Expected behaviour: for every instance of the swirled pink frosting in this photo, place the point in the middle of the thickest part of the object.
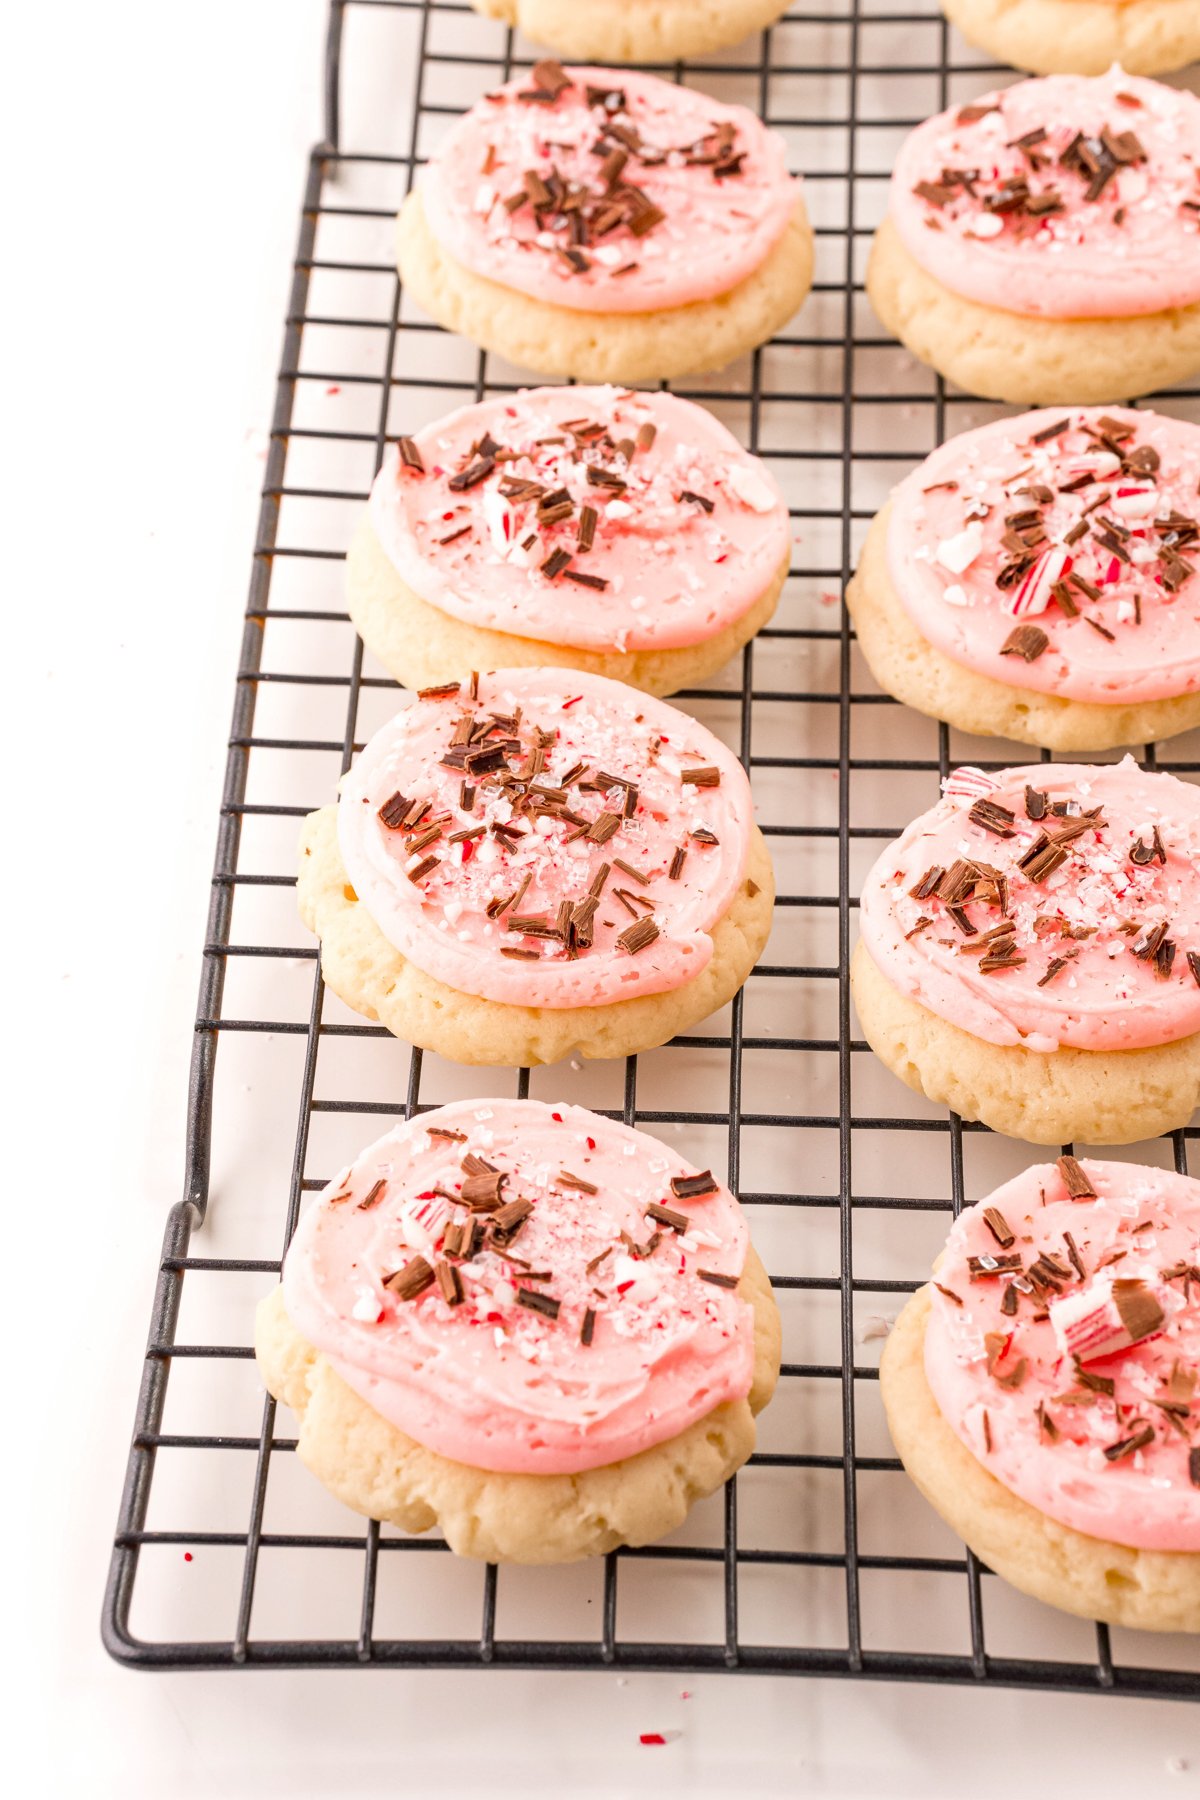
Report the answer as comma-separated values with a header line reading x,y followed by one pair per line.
x,y
487,1381
1098,953
715,194
1068,1437
689,528
1089,535
437,913
1057,245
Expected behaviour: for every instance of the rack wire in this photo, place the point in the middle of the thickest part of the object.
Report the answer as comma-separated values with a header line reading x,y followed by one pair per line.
x,y
819,1558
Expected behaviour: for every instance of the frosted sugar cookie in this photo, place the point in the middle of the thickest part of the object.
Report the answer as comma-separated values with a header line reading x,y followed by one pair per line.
x,y
634,30
1030,952
1036,579
540,1330
1041,1390
607,225
1043,243
521,867
1082,37
594,528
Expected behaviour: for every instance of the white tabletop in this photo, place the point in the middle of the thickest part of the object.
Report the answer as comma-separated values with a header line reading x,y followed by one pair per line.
x,y
155,170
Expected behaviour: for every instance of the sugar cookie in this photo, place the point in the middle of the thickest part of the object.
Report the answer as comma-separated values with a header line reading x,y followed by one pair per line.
x,y
624,533
1041,1390
530,1325
1043,243
1030,952
609,226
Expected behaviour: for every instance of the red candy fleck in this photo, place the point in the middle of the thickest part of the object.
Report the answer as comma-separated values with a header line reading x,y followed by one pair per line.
x,y
187,1556
652,1737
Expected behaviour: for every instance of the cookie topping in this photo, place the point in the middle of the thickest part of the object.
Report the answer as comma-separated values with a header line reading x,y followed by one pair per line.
x,y
1088,537
608,192
516,899
516,497
585,1343
1047,204
1044,930
1086,1378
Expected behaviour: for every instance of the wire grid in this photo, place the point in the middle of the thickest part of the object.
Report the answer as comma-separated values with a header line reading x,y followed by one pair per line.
x,y
819,1558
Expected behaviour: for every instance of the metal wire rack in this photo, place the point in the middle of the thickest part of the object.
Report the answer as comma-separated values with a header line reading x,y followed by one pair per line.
x,y
820,1558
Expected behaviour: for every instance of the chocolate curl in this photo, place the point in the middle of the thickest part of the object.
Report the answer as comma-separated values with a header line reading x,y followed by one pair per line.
x,y
1110,1315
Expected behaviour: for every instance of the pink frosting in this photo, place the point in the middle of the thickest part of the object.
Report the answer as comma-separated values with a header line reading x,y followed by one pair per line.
x,y
712,206
1081,962
1031,1419
486,1381
1131,479
596,729
1133,248
688,533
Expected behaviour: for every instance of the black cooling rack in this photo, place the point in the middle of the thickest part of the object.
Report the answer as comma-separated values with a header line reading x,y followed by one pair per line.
x,y
819,1558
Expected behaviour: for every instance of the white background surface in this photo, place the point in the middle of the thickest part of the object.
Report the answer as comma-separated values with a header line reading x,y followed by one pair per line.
x,y
154,169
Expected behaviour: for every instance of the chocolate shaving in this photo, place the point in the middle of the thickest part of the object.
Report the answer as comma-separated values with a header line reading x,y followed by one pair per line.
x,y
545,1304
555,563
702,777
1148,942
472,475
1140,1312
566,1179
1026,641
450,1282
666,1215
1075,1180
928,883
990,816
1126,1446
637,937
981,1268
588,520
481,1192
372,1197
1060,425
410,456
393,812
716,1279
588,1329
412,1280
1042,858
999,1227
603,826
550,80
692,1187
